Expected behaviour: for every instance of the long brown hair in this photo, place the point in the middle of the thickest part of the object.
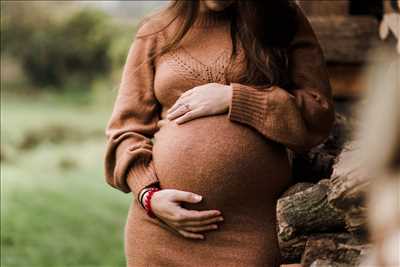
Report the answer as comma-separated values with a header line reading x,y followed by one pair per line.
x,y
263,28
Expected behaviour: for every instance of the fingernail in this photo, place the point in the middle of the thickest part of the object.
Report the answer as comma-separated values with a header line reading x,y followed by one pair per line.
x,y
221,219
198,197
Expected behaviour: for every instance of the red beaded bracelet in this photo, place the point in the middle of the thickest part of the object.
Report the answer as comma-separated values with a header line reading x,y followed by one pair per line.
x,y
147,202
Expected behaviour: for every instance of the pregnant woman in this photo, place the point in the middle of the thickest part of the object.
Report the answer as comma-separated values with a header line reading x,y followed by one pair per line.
x,y
214,95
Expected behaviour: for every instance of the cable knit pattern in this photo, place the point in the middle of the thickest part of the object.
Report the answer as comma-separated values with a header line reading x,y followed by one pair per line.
x,y
237,161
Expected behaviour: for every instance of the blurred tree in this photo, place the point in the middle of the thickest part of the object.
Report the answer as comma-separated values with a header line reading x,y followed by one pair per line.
x,y
74,49
58,51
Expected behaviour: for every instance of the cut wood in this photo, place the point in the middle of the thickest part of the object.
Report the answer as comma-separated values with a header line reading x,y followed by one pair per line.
x,y
337,249
306,212
349,185
325,8
346,39
292,250
296,188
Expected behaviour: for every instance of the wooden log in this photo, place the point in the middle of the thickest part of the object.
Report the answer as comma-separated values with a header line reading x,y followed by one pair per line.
x,y
307,212
325,7
328,263
296,188
334,249
348,80
293,249
346,39
349,186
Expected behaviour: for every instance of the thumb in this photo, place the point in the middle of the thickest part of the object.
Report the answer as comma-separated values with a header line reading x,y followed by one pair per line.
x,y
187,196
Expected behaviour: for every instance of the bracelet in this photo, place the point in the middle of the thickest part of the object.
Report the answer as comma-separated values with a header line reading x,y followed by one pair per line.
x,y
143,192
147,201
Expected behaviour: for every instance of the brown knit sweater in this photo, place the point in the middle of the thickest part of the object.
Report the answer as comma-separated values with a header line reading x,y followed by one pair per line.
x,y
299,119
237,161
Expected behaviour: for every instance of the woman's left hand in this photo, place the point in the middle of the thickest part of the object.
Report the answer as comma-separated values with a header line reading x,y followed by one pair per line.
x,y
200,101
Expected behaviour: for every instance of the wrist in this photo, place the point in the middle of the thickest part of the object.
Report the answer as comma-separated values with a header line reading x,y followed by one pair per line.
x,y
147,201
230,95
143,194
146,188
142,198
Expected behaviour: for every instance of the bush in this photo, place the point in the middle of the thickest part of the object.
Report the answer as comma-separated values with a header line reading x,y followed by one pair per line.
x,y
18,23
55,52
76,49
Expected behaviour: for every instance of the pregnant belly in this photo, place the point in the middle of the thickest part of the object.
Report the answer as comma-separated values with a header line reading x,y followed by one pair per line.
x,y
221,160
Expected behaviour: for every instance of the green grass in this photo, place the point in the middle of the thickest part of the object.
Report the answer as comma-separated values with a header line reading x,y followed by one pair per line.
x,y
56,208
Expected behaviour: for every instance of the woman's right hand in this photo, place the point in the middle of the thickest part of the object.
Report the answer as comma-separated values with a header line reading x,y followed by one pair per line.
x,y
165,205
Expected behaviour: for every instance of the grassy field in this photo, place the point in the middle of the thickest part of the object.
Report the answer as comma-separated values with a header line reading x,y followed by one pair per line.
x,y
56,208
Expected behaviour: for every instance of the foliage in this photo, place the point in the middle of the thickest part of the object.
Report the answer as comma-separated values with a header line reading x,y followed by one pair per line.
x,y
59,52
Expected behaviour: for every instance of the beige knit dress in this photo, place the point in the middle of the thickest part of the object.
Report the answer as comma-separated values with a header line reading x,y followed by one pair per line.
x,y
237,160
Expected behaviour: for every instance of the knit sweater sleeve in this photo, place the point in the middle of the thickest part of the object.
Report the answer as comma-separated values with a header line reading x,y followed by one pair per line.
x,y
301,117
129,164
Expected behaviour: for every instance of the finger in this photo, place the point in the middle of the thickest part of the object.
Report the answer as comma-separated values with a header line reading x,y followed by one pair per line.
x,y
160,123
196,229
178,112
181,100
203,222
180,195
185,98
176,105
191,235
187,117
196,215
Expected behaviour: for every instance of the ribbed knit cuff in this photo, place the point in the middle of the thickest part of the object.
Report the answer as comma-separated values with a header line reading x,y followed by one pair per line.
x,y
247,104
141,175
